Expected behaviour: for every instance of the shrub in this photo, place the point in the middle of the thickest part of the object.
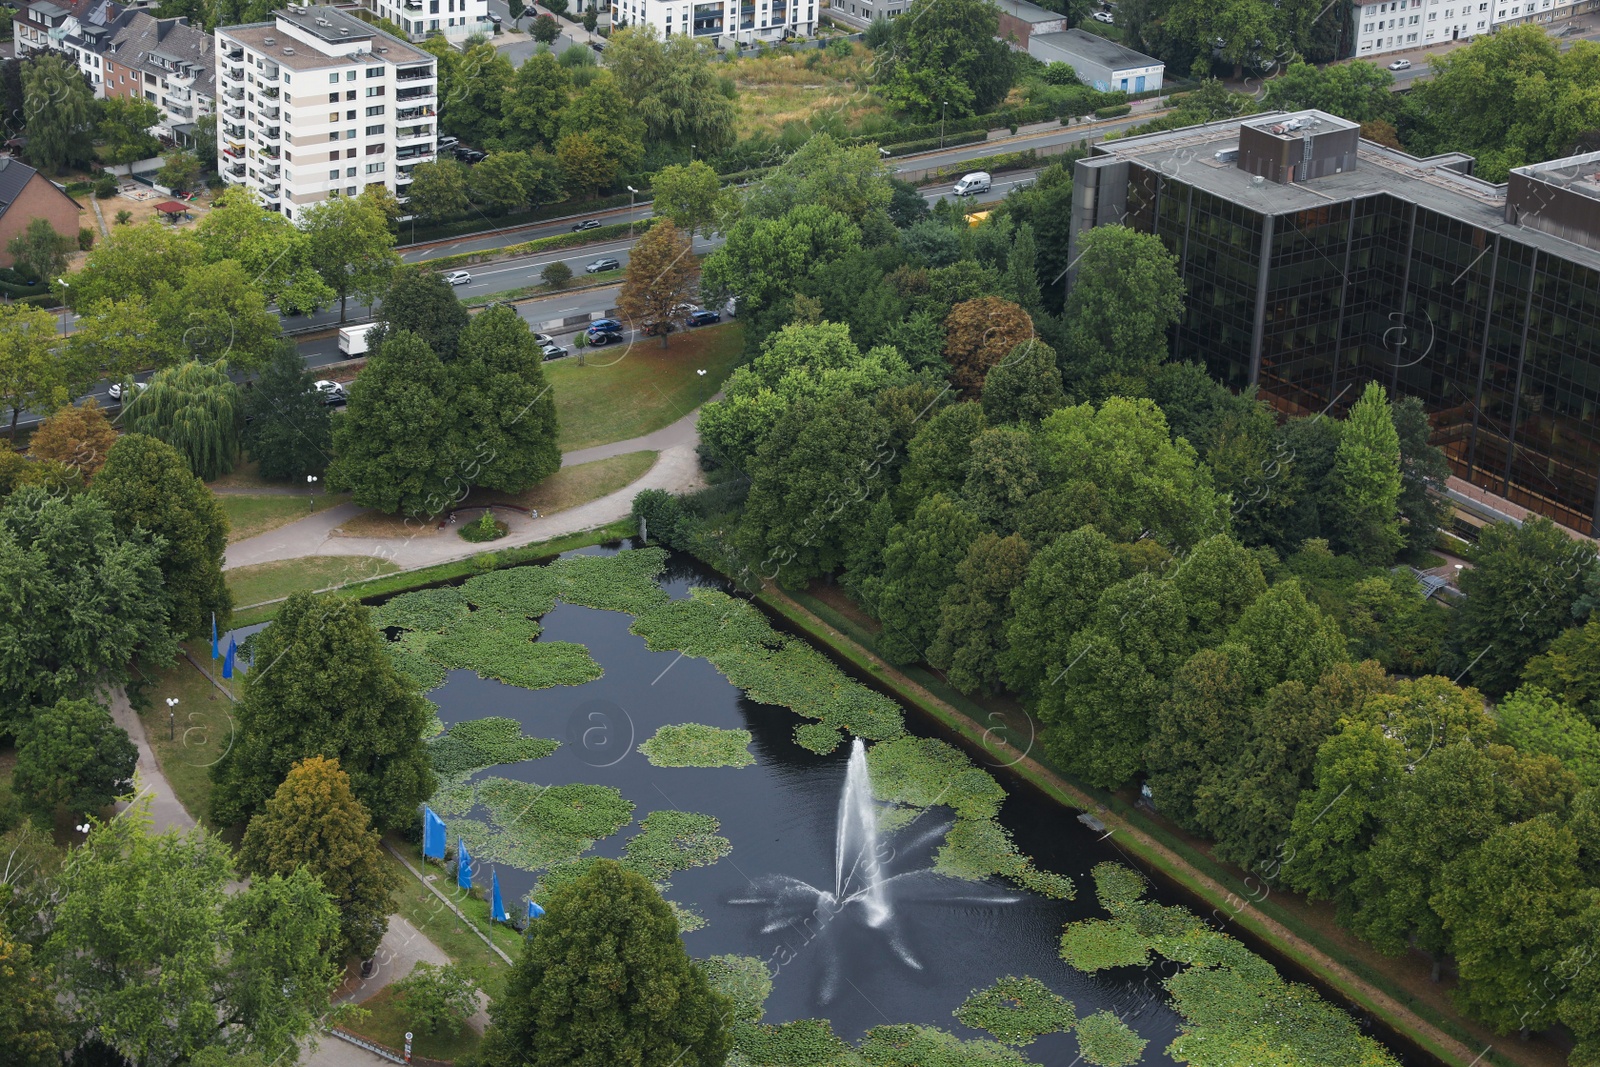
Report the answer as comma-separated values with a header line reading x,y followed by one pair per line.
x,y
878,34
556,275
85,239
124,217
105,187
437,996
485,529
1113,111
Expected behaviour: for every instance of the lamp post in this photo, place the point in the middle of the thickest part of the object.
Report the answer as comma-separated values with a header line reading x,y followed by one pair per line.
x,y
631,193
311,489
942,105
172,718
64,285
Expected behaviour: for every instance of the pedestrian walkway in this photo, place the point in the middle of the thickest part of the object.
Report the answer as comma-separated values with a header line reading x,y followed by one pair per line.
x,y
165,810
676,470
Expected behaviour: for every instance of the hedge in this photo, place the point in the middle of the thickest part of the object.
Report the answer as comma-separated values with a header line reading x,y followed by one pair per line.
x,y
541,244
45,300
1112,112
935,144
473,226
993,164
15,291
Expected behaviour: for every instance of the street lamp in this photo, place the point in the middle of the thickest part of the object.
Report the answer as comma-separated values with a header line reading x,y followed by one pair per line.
x,y
942,105
172,718
311,484
65,285
631,192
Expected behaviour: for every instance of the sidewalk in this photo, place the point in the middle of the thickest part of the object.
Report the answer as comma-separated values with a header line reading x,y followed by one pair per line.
x,y
165,811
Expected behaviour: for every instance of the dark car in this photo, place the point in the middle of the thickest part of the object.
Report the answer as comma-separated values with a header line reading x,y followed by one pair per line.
x,y
553,351
586,224
604,331
656,329
703,318
603,265
469,155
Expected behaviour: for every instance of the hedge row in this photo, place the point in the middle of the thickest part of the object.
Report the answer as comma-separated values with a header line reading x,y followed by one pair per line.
x,y
994,120
993,164
1112,112
541,244
44,300
16,292
936,143
543,213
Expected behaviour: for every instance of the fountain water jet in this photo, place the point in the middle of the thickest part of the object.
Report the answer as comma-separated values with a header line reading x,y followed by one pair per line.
x,y
858,873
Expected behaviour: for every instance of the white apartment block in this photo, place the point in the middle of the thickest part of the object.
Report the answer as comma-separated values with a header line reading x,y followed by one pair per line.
x,y
455,19
1400,25
317,104
741,21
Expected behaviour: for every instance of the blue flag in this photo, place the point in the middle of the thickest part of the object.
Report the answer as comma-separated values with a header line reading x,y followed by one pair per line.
x,y
433,836
534,911
463,865
215,652
497,908
227,664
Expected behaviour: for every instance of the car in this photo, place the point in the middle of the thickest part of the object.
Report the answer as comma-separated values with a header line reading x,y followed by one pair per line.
x,y
468,155
542,339
604,331
603,264
586,224
703,318
656,329
1400,64
598,46
458,277
1105,17
448,143
119,389
553,351
332,392
495,19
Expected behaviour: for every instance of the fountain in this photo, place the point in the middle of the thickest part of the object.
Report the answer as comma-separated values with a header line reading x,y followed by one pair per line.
x,y
856,856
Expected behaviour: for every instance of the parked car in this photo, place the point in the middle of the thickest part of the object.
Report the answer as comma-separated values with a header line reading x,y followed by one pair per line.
x,y
119,388
542,339
703,318
1105,17
554,351
586,224
458,277
1400,64
332,392
656,329
604,331
469,155
495,19
603,264
446,144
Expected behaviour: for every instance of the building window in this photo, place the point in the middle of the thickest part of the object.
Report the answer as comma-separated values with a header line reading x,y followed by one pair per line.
x,y
375,168
374,72
333,79
334,118
374,90
351,94
375,131
350,172
350,116
334,136
333,98
349,75
333,175
371,111
350,153
350,191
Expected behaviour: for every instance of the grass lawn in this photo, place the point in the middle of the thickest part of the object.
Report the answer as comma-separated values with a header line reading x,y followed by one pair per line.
x,y
249,515
244,476
624,391
776,89
571,486
186,746
424,911
387,1025
268,581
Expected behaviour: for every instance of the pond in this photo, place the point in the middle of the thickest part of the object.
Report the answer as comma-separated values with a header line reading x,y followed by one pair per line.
x,y
906,945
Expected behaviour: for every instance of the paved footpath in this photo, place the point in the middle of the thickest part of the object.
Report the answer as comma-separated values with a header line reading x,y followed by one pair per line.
x,y
676,470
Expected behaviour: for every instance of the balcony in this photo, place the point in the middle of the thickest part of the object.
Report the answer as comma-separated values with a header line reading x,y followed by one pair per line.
x,y
270,93
235,112
180,80
270,113
406,113
271,170
419,154
413,5
411,74
412,133
236,54
270,73
270,152
272,133
180,111
421,92
271,189
233,94
233,73
235,171
235,132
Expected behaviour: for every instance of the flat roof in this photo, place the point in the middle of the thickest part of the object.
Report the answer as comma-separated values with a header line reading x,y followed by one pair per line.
x,y
328,23
296,54
1580,174
1188,155
1293,125
1096,49
1027,12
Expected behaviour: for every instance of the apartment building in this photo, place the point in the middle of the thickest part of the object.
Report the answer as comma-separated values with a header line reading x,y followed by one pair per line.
x,y
167,62
1399,25
318,103
739,21
454,19
1315,262
78,29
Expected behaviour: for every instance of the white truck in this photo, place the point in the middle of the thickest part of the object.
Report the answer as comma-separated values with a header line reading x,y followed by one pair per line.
x,y
353,339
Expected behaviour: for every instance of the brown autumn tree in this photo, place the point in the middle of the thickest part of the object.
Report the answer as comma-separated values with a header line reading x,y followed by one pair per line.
x,y
77,437
662,274
978,335
314,821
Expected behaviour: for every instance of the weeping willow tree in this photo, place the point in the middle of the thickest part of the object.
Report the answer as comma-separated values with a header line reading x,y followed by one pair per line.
x,y
195,408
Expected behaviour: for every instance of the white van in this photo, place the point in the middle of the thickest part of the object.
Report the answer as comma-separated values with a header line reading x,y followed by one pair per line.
x,y
976,182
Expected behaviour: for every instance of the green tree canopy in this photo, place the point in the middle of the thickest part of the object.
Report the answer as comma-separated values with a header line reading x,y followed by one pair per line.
x,y
919,564
975,611
419,300
764,259
1424,471
39,251
125,123
1057,598
273,252
195,408
533,102
321,684
218,312
604,979
852,181
671,85
1570,668
33,1027
438,191
946,57
71,757
134,261
58,110
691,196
501,394
288,430
147,485
32,373
351,246
1127,294
1536,722
1358,90
1366,478
314,823
118,337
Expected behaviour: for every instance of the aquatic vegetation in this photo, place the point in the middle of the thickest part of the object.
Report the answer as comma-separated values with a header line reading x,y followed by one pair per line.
x,y
694,744
1106,1041
670,841
1017,1010
743,980
479,743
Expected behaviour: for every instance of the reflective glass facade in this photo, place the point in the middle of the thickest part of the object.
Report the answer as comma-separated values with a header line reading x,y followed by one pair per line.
x,y
1501,340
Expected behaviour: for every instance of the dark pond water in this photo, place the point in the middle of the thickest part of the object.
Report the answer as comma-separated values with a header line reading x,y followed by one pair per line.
x,y
943,939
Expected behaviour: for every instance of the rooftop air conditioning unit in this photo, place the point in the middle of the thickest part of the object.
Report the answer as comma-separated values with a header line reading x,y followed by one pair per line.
x,y
322,21
288,51
269,40
344,31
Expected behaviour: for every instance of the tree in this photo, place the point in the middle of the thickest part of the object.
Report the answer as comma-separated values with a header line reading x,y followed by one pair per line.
x,y
933,242
331,690
195,408
604,979
219,313
585,163
147,485
472,87
499,181
919,564
438,191
180,171
1366,472
1570,669
314,823
71,757
1056,598
40,252
557,275
601,117
850,180
809,486
33,1028
125,123
1536,722
1520,591
437,997
352,247
287,431
534,99
137,261
1126,295
765,259
591,19
75,601
1424,472
1390,621
118,337
58,111
946,53
421,302
672,86
1022,271
979,334
393,446
274,252
1002,475
32,373
691,196
662,276
502,395
163,961
1024,387
78,437
975,611
1357,91
546,29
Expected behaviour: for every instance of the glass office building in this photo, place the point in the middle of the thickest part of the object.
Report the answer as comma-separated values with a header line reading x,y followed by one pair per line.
x,y
1316,262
